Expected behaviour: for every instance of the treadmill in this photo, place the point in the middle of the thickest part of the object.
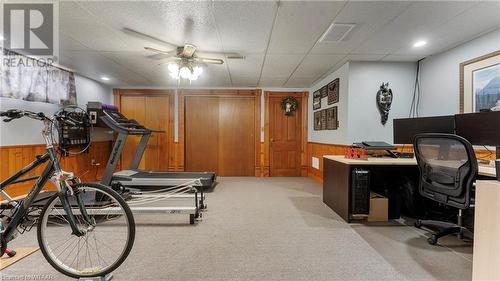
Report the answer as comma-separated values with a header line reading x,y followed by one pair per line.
x,y
108,116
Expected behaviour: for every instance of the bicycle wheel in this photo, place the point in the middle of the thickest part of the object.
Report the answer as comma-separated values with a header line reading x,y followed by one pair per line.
x,y
106,242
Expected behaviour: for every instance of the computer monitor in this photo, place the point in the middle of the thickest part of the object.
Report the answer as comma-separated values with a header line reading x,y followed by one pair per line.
x,y
405,129
481,128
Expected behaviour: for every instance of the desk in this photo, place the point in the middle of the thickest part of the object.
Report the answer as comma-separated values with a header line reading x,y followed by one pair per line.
x,y
337,178
486,255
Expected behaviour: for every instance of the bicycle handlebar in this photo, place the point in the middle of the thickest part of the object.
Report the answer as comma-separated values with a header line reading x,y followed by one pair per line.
x,y
12,114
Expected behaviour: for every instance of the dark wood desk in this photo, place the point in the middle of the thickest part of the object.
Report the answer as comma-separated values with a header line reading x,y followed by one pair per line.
x,y
337,178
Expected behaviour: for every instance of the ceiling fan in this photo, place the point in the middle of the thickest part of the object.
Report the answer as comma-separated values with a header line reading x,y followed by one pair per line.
x,y
183,60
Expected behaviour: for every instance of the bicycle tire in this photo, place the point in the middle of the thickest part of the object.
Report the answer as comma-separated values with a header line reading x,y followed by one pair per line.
x,y
124,254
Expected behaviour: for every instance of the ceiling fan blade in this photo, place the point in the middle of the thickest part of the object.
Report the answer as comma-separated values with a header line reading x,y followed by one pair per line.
x,y
169,60
188,50
159,56
225,54
169,53
209,61
147,37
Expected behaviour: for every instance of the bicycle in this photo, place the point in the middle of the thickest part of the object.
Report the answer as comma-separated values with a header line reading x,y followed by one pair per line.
x,y
83,229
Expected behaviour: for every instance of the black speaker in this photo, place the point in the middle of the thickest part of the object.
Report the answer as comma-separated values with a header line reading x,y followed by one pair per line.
x,y
360,197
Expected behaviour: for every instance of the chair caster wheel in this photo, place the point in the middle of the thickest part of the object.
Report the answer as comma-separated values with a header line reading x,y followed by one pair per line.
x,y
418,224
432,240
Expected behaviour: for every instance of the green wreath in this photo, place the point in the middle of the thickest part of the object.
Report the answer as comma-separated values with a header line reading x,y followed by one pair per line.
x,y
289,105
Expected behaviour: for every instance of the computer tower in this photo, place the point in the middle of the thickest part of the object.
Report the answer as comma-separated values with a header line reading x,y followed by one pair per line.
x,y
360,197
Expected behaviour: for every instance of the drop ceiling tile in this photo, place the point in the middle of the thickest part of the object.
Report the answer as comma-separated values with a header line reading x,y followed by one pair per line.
x,y
280,65
479,19
300,82
402,58
93,65
418,21
300,24
272,82
244,26
250,66
364,57
313,66
369,17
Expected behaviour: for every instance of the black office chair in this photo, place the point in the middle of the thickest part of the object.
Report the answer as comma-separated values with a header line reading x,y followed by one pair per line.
x,y
448,168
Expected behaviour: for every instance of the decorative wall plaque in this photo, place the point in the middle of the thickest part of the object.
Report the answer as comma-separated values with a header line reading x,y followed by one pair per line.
x,y
323,119
333,91
324,91
332,118
317,120
316,100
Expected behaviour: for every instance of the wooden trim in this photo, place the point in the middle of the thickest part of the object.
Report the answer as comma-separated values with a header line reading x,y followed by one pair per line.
x,y
265,146
15,157
461,79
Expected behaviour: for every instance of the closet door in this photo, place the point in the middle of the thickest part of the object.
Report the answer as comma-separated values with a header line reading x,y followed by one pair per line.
x,y
220,134
201,133
153,112
157,118
236,136
133,107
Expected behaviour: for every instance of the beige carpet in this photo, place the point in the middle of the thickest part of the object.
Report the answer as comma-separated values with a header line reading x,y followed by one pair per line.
x,y
274,229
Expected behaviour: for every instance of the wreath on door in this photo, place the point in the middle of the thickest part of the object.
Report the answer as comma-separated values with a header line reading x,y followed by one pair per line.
x,y
289,105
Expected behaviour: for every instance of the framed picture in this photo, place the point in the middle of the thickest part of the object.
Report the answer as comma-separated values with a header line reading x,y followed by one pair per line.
x,y
317,120
316,100
323,119
331,118
324,91
480,83
333,91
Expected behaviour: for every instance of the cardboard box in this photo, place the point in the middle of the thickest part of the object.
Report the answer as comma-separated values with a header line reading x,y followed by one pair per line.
x,y
379,207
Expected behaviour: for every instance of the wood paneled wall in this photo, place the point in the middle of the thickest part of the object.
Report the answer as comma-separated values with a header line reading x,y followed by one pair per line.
x,y
16,157
318,150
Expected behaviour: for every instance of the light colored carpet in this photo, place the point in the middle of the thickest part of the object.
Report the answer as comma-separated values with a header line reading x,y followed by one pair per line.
x,y
274,229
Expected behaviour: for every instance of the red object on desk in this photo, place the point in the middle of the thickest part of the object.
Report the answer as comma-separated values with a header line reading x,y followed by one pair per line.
x,y
355,153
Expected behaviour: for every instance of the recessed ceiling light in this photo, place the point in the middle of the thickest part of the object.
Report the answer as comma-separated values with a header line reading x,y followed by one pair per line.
x,y
104,78
419,43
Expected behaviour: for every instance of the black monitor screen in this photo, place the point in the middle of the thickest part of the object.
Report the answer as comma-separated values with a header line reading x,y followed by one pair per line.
x,y
405,129
482,128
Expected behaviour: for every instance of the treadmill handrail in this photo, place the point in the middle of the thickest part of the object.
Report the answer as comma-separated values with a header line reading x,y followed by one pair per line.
x,y
125,127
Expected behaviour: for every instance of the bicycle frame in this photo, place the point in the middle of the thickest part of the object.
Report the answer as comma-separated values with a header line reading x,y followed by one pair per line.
x,y
53,168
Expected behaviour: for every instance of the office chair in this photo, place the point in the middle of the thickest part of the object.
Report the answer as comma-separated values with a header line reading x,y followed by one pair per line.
x,y
448,168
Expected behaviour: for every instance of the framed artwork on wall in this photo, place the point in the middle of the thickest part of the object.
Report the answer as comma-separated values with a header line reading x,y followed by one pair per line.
x,y
324,91
323,119
317,120
316,100
480,83
333,91
331,118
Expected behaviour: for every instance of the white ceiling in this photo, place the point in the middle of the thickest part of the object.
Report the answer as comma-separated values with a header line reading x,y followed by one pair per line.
x,y
279,40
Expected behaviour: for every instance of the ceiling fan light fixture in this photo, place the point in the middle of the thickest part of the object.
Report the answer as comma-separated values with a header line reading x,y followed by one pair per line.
x,y
173,68
197,71
185,72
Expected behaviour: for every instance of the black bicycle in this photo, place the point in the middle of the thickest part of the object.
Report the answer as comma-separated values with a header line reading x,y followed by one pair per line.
x,y
84,229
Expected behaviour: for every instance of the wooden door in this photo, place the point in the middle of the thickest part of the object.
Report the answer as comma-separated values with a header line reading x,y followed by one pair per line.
x,y
220,135
201,134
152,112
236,136
285,139
133,107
